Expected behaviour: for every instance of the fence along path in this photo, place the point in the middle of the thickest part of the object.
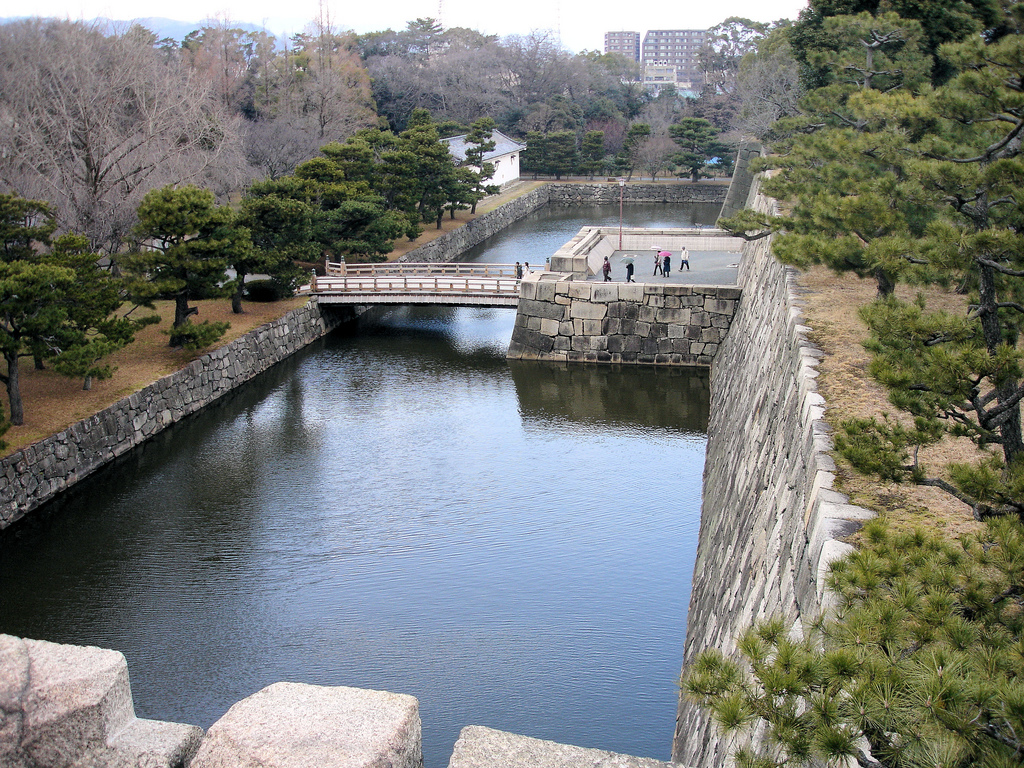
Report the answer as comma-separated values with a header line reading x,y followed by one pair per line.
x,y
476,285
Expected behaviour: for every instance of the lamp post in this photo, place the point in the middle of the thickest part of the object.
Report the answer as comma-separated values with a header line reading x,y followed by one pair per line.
x,y
622,186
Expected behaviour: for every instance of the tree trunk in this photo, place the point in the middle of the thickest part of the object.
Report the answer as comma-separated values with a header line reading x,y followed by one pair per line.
x,y
39,362
236,297
992,332
182,312
886,285
14,390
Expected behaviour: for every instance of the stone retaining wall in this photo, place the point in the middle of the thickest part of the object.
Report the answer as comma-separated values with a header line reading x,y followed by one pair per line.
x,y
34,475
770,522
565,320
451,245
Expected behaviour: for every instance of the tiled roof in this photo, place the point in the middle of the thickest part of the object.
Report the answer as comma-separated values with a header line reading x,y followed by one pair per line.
x,y
503,145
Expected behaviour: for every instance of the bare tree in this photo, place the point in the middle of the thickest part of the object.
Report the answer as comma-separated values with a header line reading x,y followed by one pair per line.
x,y
93,121
769,89
654,155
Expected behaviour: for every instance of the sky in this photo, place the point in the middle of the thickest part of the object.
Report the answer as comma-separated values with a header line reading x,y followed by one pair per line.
x,y
578,23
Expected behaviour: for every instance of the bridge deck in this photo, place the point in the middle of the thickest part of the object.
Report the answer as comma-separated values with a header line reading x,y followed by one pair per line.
x,y
477,285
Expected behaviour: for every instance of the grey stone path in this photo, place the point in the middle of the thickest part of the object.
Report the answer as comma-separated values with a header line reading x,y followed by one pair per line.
x,y
706,268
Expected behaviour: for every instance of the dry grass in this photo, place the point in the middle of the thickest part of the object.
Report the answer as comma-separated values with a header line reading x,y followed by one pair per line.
x,y
53,402
831,304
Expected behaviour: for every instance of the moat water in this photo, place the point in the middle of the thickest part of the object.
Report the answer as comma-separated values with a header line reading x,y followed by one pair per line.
x,y
401,508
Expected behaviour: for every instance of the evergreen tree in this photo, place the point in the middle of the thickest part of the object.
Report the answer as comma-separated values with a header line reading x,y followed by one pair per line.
x,y
562,154
954,374
93,330
699,142
187,241
920,666
479,142
592,153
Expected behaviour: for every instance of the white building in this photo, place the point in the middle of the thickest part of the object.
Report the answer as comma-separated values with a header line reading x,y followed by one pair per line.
x,y
504,157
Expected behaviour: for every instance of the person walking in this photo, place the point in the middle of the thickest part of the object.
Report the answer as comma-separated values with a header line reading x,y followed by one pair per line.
x,y
519,271
606,268
684,259
629,269
657,263
666,262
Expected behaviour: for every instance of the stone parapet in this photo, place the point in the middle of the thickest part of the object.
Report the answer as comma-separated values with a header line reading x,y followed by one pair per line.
x,y
293,725
480,747
635,323
32,476
67,705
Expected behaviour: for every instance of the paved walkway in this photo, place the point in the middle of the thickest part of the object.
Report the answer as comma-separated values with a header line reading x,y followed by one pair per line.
x,y
706,268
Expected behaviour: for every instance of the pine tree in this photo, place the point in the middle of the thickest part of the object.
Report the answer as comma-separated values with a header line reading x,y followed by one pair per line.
x,y
922,664
186,242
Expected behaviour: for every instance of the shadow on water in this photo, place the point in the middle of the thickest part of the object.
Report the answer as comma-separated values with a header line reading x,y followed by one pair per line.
x,y
672,398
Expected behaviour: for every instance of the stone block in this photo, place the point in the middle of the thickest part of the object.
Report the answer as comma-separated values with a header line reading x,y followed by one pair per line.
x,y
546,309
292,725
605,293
593,327
646,314
579,290
598,343
720,306
587,311
565,328
672,316
631,292
70,705
549,327
545,291
642,329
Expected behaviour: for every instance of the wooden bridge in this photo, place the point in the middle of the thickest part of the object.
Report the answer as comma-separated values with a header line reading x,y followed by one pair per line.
x,y
466,285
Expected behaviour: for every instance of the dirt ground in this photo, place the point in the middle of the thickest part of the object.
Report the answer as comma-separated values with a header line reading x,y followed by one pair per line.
x,y
53,402
831,304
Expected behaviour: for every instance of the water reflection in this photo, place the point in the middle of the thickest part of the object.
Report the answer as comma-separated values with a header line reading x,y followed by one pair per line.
x,y
607,395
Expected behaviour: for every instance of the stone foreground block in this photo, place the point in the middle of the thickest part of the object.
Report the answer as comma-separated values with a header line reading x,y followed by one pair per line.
x,y
292,725
480,747
68,705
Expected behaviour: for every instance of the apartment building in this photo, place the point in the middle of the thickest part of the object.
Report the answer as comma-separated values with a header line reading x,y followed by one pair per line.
x,y
676,48
623,43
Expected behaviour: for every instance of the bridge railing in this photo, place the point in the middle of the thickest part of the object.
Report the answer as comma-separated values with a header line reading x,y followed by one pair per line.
x,y
341,269
418,284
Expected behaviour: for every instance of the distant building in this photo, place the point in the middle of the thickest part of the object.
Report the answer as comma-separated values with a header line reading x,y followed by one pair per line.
x,y
623,43
504,157
667,56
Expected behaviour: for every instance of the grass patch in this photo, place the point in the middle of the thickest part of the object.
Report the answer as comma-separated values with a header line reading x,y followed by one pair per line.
x,y
54,402
831,302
